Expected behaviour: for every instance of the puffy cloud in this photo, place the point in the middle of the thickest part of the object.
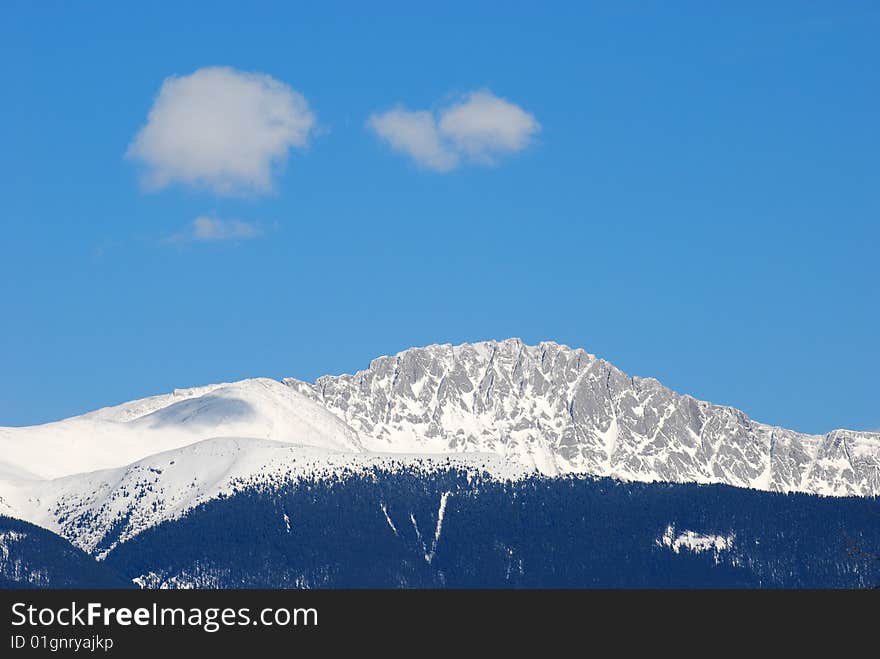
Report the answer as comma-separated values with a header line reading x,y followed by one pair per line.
x,y
212,229
222,129
480,128
485,126
416,134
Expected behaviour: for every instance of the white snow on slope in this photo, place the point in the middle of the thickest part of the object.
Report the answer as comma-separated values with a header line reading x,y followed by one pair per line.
x,y
116,436
84,507
695,542
137,408
7,539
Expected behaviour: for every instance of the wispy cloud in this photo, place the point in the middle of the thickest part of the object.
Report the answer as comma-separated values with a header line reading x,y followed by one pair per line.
x,y
212,229
480,128
222,129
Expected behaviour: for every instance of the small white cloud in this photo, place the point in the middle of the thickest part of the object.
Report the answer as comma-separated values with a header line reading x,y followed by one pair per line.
x,y
480,128
223,129
484,126
415,134
212,229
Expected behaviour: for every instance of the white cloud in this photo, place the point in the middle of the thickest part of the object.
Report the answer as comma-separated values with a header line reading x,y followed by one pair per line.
x,y
416,134
222,129
485,126
212,229
480,128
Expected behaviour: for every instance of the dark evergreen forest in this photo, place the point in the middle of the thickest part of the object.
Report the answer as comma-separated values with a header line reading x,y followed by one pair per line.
x,y
536,533
32,557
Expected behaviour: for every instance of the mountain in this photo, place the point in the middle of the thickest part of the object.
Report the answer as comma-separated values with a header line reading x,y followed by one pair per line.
x,y
561,411
502,409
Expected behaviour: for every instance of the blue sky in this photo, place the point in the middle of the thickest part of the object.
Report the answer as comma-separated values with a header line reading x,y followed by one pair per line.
x,y
696,200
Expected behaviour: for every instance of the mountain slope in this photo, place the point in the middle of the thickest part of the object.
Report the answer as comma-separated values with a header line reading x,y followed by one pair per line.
x,y
116,436
100,509
32,557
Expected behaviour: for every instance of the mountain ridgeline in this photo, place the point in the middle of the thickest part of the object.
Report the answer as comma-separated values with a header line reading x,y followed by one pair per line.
x,y
561,410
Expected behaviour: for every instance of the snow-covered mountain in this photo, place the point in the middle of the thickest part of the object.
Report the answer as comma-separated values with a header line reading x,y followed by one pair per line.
x,y
115,436
562,410
97,510
502,407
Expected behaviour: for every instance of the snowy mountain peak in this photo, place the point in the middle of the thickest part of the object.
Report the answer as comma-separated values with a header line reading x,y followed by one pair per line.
x,y
562,410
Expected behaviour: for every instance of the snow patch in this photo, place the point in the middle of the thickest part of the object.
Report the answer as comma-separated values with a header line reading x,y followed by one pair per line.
x,y
388,518
441,511
8,538
695,542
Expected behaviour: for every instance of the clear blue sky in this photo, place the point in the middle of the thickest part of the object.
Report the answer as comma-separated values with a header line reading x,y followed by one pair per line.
x,y
700,205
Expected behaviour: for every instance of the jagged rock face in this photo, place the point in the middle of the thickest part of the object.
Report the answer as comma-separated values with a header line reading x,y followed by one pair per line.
x,y
562,410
